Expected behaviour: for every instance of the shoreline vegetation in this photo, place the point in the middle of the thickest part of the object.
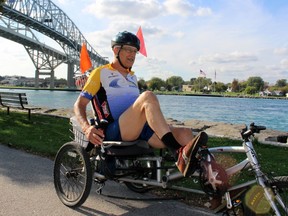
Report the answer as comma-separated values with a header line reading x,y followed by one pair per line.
x,y
180,93
219,95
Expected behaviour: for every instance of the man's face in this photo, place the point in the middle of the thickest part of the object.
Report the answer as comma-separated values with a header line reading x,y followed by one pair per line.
x,y
127,55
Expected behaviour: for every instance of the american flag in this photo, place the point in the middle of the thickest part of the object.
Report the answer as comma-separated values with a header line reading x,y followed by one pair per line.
x,y
202,73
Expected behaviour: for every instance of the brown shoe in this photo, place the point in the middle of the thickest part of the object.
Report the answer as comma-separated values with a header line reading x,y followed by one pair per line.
x,y
185,153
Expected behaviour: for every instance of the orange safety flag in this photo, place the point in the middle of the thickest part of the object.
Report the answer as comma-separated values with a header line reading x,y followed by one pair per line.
x,y
85,62
142,43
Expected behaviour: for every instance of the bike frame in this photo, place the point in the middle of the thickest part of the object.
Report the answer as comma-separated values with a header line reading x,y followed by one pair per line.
x,y
251,161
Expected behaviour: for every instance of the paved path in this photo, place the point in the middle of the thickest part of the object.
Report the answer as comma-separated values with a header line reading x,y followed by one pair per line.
x,y
26,188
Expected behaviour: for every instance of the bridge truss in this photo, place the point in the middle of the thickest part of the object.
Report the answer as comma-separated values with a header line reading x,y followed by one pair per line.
x,y
19,17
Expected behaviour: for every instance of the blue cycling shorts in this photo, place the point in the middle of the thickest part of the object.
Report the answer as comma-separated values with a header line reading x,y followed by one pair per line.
x,y
112,132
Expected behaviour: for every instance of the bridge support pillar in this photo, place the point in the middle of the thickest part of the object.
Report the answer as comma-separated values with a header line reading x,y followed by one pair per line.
x,y
70,75
37,78
52,78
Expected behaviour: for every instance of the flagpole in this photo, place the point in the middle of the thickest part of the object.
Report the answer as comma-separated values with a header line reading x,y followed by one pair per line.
x,y
214,80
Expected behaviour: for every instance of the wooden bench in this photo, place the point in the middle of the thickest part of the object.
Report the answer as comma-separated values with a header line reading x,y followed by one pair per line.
x,y
17,101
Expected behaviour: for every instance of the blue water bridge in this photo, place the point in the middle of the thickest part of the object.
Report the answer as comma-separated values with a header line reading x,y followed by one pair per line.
x,y
19,19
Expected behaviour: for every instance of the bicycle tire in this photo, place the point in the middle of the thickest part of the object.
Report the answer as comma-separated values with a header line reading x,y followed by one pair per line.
x,y
72,174
281,184
277,184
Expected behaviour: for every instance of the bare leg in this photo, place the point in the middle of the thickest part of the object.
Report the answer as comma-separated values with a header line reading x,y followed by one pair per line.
x,y
183,135
145,109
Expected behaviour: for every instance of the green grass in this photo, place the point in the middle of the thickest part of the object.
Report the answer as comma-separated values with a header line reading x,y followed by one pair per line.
x,y
45,134
41,135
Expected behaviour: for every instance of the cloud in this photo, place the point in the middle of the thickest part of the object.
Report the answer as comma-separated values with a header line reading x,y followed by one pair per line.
x,y
228,58
63,2
131,9
203,12
153,67
281,51
185,8
284,63
147,10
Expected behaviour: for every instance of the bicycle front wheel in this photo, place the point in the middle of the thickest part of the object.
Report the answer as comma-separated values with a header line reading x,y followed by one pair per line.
x,y
279,186
72,174
257,204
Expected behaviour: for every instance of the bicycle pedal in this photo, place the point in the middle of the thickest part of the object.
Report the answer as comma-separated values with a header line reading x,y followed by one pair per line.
x,y
236,203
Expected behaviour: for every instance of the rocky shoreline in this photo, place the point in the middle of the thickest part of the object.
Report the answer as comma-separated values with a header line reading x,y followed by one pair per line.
x,y
216,129
232,131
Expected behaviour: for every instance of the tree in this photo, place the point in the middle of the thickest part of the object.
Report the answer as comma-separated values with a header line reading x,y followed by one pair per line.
x,y
242,86
192,80
256,82
251,90
284,89
201,82
60,82
174,82
235,85
281,83
220,87
156,83
142,84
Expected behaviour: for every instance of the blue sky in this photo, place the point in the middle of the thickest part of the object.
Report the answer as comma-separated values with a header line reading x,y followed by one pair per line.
x,y
236,38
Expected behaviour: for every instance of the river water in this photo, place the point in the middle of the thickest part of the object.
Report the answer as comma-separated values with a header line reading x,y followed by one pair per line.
x,y
271,113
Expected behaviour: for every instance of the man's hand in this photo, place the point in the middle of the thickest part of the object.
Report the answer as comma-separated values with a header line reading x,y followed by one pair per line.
x,y
94,135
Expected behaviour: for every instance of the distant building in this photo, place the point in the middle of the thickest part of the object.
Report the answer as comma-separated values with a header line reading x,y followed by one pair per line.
x,y
229,89
20,81
9,80
265,93
271,93
187,88
278,93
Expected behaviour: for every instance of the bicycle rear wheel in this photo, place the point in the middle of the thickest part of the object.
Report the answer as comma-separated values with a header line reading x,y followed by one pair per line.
x,y
72,174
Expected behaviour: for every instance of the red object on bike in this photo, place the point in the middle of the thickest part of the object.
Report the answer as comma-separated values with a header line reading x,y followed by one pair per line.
x,y
216,176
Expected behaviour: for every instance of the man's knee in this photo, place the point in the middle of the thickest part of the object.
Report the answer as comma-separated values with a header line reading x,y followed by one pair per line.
x,y
148,96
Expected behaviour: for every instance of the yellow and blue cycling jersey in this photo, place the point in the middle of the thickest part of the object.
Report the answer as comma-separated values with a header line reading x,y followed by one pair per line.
x,y
114,92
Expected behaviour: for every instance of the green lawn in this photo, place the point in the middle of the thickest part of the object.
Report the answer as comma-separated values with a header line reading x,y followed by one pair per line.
x,y
42,134
45,134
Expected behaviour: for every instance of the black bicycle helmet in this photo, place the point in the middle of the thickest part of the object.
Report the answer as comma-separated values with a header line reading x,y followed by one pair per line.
x,y
126,38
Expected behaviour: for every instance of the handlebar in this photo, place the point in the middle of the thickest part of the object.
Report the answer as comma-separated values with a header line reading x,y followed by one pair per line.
x,y
99,124
246,133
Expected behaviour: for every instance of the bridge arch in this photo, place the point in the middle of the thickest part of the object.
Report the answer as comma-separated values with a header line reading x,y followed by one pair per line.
x,y
19,17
